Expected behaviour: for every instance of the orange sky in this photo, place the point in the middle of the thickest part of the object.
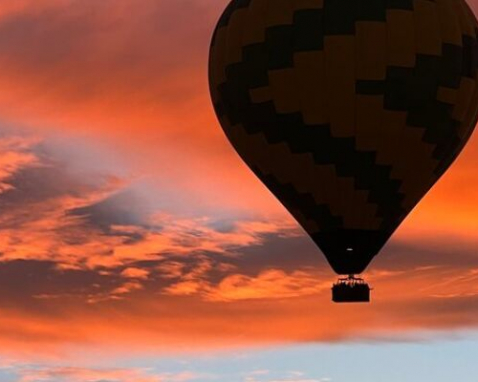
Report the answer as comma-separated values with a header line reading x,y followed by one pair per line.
x,y
131,222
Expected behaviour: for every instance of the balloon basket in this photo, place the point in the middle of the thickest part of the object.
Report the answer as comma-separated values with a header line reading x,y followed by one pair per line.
x,y
351,290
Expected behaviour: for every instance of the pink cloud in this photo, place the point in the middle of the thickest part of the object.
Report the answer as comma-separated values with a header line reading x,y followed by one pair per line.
x,y
78,374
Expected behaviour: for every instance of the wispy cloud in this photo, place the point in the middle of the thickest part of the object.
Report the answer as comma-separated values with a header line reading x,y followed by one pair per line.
x,y
294,376
269,284
77,374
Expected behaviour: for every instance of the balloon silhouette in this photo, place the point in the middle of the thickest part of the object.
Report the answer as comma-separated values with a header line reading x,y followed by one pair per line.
x,y
347,110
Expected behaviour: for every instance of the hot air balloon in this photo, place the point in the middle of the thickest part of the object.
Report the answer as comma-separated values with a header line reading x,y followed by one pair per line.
x,y
349,111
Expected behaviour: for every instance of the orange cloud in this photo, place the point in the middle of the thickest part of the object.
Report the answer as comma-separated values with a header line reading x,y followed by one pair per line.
x,y
15,156
269,284
274,307
56,220
135,273
102,276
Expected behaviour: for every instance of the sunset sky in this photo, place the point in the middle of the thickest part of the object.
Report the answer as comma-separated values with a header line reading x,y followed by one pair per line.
x,y
137,247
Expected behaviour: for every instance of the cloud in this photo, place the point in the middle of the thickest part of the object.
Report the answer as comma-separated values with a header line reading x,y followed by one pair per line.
x,y
269,284
77,374
15,156
295,376
85,260
135,273
84,309
94,221
90,70
300,380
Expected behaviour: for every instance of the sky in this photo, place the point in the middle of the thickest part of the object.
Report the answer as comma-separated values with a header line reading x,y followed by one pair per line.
x,y
137,247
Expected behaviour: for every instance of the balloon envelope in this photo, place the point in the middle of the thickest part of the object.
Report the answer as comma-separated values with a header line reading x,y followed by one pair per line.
x,y
348,110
